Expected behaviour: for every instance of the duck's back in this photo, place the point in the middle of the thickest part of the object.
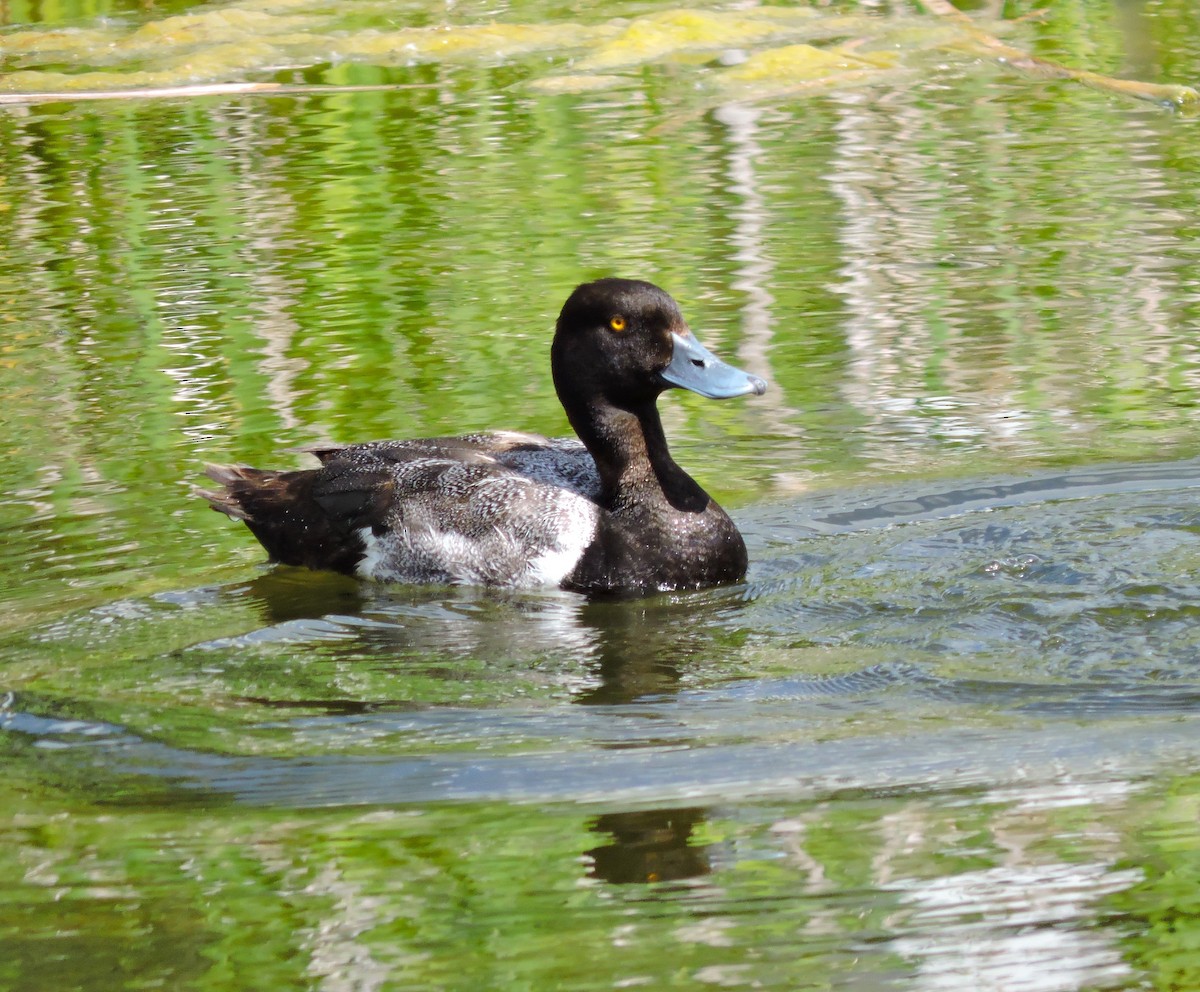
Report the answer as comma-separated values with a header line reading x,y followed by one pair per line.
x,y
491,509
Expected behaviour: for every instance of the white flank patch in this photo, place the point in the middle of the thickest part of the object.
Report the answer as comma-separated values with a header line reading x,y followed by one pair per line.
x,y
462,558
574,535
500,560
374,553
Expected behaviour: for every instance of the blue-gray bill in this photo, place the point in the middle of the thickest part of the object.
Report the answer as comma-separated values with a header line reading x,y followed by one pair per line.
x,y
696,368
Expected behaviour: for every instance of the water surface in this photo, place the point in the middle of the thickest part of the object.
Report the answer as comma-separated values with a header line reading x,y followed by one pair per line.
x,y
943,736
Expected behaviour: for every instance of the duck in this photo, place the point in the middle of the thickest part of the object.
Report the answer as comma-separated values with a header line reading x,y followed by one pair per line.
x,y
608,511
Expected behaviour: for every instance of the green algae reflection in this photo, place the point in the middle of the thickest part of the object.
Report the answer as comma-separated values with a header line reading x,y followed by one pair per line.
x,y
772,50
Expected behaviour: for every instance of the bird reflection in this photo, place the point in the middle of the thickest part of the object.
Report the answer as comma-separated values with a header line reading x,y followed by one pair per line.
x,y
612,651
643,646
285,594
648,846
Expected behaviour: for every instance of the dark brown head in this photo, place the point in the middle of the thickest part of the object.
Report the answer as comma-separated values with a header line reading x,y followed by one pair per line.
x,y
623,341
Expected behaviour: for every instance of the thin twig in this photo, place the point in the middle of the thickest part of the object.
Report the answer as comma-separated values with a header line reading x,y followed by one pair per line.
x,y
1015,58
207,89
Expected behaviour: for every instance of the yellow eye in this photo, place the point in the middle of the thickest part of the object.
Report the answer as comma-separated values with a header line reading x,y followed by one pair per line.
x,y
617,323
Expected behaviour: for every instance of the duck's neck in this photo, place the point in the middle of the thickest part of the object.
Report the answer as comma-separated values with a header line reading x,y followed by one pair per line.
x,y
631,454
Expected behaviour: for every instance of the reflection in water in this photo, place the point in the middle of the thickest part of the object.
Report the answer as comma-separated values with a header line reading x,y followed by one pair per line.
x,y
749,236
933,281
974,856
338,955
285,594
918,750
1038,488
381,620
643,647
649,846
1006,928
1024,922
624,649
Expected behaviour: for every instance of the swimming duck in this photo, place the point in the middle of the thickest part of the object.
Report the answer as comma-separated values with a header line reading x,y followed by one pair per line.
x,y
610,512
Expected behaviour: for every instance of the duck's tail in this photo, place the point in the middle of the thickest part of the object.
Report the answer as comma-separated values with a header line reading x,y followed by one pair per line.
x,y
276,506
302,518
234,478
281,512
244,491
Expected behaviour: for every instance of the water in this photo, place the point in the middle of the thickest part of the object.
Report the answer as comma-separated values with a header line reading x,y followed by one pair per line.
x,y
943,737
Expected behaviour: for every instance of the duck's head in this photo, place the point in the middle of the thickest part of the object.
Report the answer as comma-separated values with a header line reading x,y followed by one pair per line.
x,y
625,341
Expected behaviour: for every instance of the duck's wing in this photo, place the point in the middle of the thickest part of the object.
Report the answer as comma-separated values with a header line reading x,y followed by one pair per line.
x,y
434,510
559,461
